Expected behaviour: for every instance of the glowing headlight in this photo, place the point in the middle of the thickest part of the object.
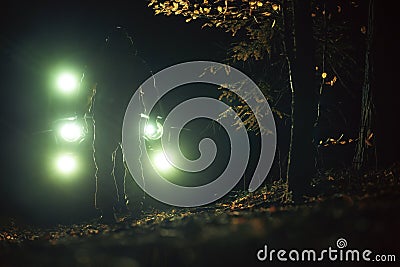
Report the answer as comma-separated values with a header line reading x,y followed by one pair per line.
x,y
66,163
71,131
153,131
67,82
161,162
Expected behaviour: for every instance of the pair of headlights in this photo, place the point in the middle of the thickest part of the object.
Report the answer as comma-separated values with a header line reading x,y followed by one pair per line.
x,y
153,132
71,130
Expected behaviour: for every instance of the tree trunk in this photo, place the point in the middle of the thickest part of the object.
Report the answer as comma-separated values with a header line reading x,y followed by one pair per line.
x,y
299,45
363,153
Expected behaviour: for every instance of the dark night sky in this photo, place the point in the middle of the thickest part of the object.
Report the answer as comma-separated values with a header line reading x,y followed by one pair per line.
x,y
36,37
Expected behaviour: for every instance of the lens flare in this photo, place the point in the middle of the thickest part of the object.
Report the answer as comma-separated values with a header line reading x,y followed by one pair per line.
x,y
161,161
71,131
153,131
66,164
149,130
67,82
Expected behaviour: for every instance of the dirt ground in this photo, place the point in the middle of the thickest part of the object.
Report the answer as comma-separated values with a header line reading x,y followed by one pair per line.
x,y
365,213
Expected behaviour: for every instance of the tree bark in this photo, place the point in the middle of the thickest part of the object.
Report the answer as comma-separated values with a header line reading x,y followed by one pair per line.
x,y
363,153
299,45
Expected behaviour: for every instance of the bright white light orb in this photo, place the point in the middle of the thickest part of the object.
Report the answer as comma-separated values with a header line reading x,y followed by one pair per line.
x,y
66,164
71,131
150,129
153,131
161,162
67,82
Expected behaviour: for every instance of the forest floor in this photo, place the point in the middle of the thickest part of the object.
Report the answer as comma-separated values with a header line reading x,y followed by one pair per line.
x,y
362,210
